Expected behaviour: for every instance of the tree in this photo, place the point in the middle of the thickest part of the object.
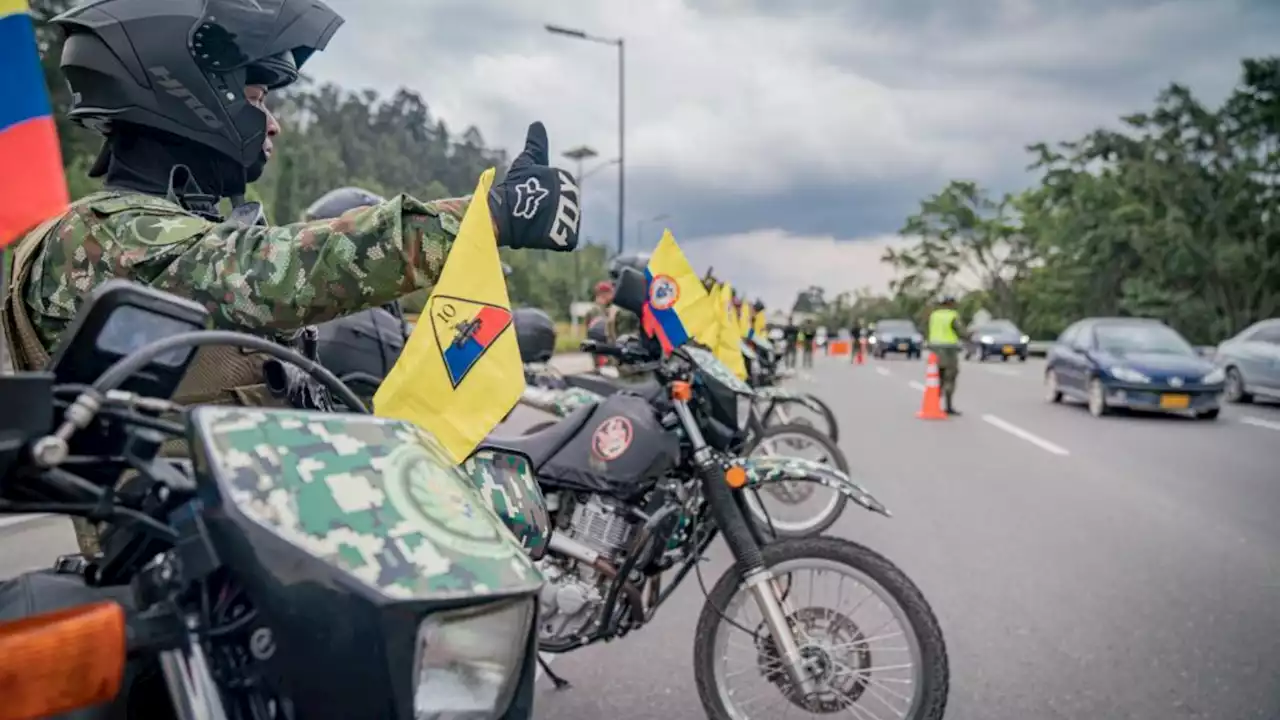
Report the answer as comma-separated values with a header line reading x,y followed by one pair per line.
x,y
1172,216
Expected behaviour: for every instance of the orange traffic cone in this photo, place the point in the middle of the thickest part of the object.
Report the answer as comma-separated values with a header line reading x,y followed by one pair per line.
x,y
931,406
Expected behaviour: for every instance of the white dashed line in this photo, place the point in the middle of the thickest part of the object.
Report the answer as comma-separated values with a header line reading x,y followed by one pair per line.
x,y
1029,437
1001,371
547,658
916,385
1259,422
883,371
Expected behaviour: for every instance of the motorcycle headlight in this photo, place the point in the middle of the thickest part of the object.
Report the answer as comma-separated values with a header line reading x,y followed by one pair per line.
x,y
1125,374
917,338
744,410
1214,377
1025,339
468,661
986,339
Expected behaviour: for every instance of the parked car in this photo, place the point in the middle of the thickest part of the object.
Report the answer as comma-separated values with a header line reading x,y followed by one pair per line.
x,y
1132,363
996,337
1251,361
896,336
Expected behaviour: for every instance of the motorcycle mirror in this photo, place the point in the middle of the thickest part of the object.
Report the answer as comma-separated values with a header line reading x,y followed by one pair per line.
x,y
631,290
61,661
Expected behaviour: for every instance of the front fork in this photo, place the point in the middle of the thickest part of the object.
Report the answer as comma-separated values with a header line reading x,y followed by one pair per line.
x,y
744,545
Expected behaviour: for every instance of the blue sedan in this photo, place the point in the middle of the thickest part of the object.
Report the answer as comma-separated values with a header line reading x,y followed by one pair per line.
x,y
1132,363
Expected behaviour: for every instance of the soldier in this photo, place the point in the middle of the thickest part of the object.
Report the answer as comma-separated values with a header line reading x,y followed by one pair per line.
x,y
945,331
194,129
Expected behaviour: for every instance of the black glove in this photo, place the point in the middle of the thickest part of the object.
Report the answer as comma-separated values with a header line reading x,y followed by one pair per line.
x,y
536,206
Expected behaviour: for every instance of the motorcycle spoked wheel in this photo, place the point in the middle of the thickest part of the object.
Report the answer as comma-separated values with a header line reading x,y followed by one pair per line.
x,y
786,412
830,665
795,493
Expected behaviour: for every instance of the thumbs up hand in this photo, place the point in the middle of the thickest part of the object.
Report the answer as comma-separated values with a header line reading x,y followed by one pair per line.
x,y
535,205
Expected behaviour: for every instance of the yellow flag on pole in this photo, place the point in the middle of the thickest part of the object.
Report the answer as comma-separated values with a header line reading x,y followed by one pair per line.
x,y
729,348
460,373
709,335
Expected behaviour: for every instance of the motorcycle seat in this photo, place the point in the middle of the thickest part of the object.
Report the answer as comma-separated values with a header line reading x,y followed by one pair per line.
x,y
646,387
540,446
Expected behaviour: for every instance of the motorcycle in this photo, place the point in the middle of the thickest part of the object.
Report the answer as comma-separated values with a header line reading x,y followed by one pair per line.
x,y
779,405
299,565
546,391
638,487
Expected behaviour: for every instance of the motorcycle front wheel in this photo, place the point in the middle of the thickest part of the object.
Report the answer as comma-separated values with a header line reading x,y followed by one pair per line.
x,y
891,665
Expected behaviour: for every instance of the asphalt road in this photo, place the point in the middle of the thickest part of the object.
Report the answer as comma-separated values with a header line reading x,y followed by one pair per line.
x,y
1101,569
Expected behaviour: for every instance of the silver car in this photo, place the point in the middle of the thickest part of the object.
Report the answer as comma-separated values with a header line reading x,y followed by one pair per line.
x,y
1252,362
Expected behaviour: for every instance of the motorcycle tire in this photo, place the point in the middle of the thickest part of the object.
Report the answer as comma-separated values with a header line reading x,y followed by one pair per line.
x,y
830,513
832,429
894,587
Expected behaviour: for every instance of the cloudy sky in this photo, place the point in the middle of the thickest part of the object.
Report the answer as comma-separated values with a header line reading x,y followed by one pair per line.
x,y
786,141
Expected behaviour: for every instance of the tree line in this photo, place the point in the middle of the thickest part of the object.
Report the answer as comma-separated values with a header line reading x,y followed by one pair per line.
x,y
1171,216
333,137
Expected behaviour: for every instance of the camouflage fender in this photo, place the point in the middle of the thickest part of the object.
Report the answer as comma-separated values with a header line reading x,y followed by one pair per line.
x,y
774,393
558,402
506,480
767,470
373,497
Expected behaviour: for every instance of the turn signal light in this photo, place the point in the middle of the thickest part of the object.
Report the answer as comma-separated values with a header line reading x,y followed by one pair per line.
x,y
61,661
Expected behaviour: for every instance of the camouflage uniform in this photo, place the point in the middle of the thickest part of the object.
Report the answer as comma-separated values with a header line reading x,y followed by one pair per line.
x,y
249,278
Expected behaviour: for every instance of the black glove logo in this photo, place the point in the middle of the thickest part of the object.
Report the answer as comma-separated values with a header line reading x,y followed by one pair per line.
x,y
535,205
529,195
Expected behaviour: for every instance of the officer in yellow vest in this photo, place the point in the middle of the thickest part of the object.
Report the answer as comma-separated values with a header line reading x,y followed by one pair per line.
x,y
945,331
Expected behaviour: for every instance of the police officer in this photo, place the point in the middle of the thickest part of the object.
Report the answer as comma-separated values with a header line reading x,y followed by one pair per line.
x,y
945,331
186,126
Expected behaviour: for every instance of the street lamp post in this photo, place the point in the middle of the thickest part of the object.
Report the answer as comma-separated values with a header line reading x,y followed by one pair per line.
x,y
622,115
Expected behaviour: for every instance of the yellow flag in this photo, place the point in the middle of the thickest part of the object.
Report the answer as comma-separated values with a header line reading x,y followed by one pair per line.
x,y
460,373
744,318
729,349
709,335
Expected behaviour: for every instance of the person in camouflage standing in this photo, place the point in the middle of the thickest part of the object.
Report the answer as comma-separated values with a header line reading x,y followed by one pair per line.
x,y
170,157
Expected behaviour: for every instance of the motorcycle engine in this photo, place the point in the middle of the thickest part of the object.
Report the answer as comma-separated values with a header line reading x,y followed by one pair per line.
x,y
574,593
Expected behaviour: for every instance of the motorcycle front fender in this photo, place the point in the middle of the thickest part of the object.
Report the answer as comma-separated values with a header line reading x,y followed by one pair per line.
x,y
775,394
773,469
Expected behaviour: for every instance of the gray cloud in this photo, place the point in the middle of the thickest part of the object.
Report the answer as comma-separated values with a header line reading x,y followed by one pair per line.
x,y
807,124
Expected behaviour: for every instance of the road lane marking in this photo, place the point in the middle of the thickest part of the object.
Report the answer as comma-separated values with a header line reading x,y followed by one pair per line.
x,y
21,519
547,658
883,371
1029,437
1259,422
1001,371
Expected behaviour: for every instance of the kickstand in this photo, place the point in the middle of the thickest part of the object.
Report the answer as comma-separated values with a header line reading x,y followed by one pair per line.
x,y
559,682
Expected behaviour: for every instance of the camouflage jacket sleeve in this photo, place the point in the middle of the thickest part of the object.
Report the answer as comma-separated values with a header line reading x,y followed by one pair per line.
x,y
250,278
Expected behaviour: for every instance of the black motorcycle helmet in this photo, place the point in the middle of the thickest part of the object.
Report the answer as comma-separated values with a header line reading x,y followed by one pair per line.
x,y
180,66
336,202
535,334
638,261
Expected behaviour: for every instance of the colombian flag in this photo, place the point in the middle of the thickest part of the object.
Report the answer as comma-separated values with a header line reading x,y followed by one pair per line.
x,y
678,307
759,325
32,185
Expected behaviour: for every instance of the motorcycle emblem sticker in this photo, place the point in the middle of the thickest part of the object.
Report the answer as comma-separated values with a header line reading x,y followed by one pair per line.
x,y
664,292
612,438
